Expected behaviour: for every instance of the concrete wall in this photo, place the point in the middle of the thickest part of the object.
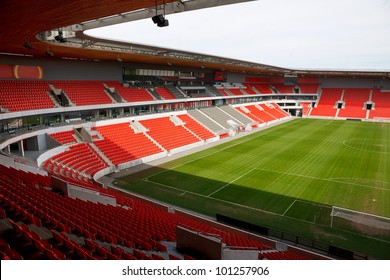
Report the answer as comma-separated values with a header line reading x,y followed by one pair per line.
x,y
50,142
49,154
228,254
236,77
56,69
42,144
32,144
10,162
90,195
60,69
37,143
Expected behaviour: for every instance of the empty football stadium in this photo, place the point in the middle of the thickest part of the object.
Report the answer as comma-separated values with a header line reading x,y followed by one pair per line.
x,y
121,151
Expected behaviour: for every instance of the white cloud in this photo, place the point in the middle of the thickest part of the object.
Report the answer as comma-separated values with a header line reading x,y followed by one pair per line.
x,y
347,34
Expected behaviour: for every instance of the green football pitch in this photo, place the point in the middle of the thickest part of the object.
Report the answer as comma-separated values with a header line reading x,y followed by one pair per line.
x,y
287,178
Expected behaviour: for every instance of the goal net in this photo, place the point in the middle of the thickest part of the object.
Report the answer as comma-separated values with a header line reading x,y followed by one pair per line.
x,y
360,222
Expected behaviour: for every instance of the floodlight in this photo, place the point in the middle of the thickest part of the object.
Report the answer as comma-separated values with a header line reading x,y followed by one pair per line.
x,y
60,38
160,20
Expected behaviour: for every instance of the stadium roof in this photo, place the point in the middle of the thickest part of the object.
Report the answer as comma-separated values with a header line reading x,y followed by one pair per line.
x,y
29,30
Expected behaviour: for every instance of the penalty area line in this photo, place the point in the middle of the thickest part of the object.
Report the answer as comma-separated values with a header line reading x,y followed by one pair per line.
x,y
289,207
253,208
231,182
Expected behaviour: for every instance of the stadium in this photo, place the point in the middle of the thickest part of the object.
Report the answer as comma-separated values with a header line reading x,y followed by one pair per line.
x,y
114,150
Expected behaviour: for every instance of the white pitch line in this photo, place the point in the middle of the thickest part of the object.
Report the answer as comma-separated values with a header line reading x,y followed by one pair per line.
x,y
255,209
322,179
217,199
345,143
224,186
170,187
289,207
210,154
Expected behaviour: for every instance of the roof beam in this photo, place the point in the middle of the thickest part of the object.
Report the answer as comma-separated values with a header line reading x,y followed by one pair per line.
x,y
169,8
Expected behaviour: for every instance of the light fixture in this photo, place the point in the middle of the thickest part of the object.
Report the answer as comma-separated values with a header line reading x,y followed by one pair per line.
x,y
60,38
159,19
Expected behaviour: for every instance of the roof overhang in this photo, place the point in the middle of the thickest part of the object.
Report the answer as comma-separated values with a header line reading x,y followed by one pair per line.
x,y
36,25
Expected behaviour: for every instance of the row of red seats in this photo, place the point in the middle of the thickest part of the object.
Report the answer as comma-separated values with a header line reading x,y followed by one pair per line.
x,y
305,108
130,94
196,127
354,103
282,255
249,89
221,90
80,157
266,88
258,113
141,226
262,88
382,104
121,144
165,132
274,110
84,92
25,95
327,102
354,100
64,137
308,88
165,93
236,91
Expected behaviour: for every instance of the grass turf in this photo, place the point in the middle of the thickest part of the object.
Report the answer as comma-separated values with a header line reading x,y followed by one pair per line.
x,y
286,178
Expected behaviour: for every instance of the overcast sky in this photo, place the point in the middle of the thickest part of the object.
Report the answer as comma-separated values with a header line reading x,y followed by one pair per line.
x,y
326,34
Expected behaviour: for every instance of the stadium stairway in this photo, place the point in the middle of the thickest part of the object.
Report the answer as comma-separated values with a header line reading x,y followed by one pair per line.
x,y
224,91
218,116
176,92
121,144
249,90
260,112
213,91
131,94
246,111
236,114
101,154
207,121
237,91
165,93
262,88
201,131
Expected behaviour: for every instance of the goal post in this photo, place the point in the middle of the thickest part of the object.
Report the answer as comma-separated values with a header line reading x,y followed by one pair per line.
x,y
359,222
